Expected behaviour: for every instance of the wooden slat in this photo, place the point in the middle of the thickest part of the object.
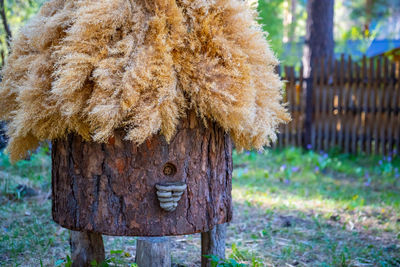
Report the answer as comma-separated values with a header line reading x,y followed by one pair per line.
x,y
290,79
391,105
324,109
386,105
396,104
356,106
368,126
353,104
346,117
337,134
302,108
376,102
295,110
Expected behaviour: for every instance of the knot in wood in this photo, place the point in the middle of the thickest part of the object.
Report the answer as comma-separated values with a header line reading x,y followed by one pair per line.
x,y
169,169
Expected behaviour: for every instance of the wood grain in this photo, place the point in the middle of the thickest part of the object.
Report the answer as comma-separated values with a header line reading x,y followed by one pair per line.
x,y
110,188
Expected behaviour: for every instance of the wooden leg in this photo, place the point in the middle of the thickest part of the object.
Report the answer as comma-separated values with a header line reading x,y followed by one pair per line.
x,y
85,248
213,243
153,252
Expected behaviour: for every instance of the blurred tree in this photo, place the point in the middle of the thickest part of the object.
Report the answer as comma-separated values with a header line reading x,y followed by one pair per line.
x,y
318,43
365,12
294,24
364,21
319,40
16,13
5,23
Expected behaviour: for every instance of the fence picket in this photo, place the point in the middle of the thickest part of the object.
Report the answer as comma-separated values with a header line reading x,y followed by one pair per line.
x,y
356,106
302,108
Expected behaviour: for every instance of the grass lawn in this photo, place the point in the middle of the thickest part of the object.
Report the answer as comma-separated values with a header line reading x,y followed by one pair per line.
x,y
291,208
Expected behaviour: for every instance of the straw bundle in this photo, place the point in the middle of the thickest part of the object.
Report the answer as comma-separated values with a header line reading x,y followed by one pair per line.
x,y
93,66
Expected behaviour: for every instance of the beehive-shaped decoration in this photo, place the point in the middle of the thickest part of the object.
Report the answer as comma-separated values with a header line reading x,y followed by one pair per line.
x,y
127,88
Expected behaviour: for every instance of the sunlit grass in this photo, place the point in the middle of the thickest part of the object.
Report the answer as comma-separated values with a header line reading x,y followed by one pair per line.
x,y
291,208
318,209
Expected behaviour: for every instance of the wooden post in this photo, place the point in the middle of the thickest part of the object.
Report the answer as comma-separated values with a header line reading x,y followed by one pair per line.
x,y
213,243
85,248
309,112
153,252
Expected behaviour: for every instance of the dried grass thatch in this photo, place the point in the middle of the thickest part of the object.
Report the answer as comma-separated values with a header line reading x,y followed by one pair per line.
x,y
92,66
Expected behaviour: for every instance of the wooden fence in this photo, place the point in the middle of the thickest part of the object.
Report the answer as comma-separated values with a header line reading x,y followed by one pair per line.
x,y
354,106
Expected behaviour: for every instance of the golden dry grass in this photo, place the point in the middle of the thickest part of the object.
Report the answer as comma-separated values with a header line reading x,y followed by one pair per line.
x,y
90,67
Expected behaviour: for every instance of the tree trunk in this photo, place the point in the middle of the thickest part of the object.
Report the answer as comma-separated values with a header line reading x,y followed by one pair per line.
x,y
86,248
153,252
111,188
213,243
293,22
319,43
319,33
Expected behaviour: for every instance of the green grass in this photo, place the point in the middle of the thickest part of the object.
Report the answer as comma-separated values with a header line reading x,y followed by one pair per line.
x,y
291,208
319,209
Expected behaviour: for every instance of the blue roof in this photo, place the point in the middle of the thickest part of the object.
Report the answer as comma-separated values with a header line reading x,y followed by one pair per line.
x,y
355,48
379,47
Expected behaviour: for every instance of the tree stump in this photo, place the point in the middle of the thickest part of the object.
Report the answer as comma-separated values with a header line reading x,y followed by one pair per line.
x,y
153,252
155,189
111,188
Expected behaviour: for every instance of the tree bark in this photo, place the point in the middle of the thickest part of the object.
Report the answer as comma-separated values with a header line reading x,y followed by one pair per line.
x,y
86,248
111,188
213,243
319,33
319,43
153,252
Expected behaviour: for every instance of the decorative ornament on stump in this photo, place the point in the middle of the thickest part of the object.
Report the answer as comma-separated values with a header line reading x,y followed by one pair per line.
x,y
141,99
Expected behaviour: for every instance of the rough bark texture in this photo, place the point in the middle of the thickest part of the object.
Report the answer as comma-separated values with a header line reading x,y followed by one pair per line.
x,y
86,248
319,33
110,188
153,252
319,43
213,243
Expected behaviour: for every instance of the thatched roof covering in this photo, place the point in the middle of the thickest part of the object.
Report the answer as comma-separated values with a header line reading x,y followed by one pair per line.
x,y
91,67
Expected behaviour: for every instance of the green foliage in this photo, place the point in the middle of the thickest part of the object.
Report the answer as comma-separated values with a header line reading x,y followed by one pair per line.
x,y
243,255
218,262
378,9
364,22
34,172
17,13
271,19
299,169
116,258
319,203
